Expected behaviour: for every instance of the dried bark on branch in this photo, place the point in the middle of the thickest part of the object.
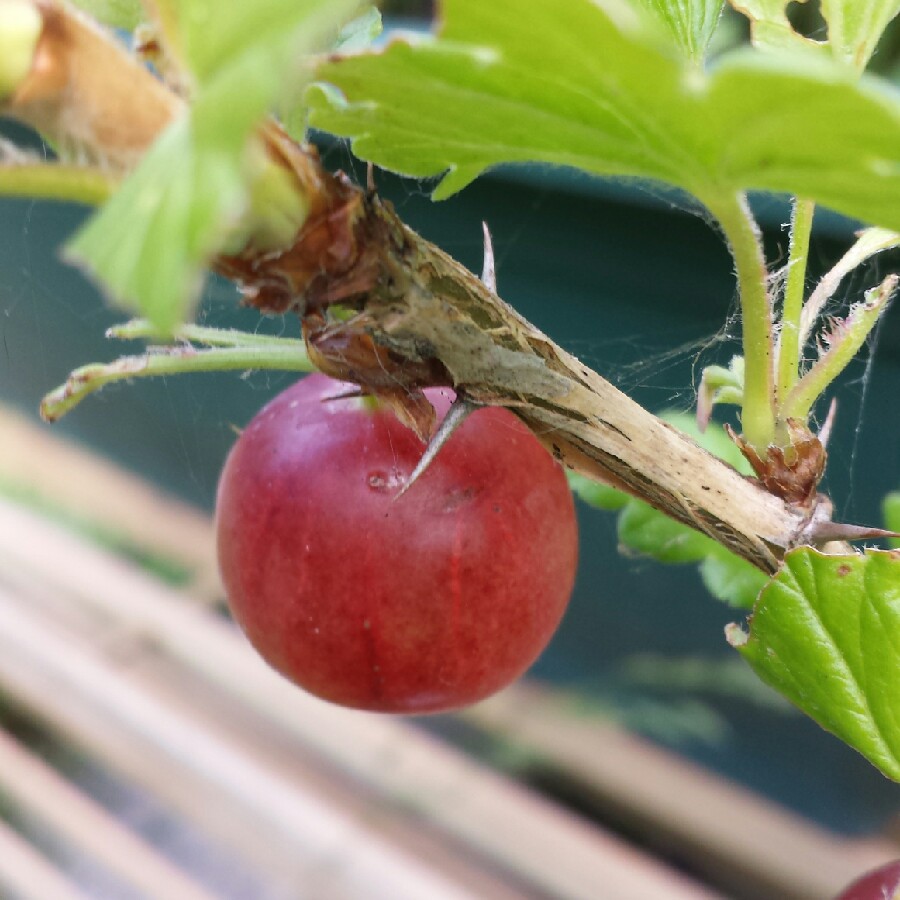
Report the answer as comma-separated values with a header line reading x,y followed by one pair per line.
x,y
422,319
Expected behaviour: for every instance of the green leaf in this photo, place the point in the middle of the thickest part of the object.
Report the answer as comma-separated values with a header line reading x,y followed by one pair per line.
x,y
125,14
582,84
648,531
596,494
770,28
356,35
212,38
690,23
855,26
720,385
731,579
825,632
891,510
149,244
192,195
360,33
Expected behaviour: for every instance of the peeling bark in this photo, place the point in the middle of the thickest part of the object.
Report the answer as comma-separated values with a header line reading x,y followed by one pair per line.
x,y
420,319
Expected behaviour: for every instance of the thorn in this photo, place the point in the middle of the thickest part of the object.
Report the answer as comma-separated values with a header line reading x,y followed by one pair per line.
x,y
352,393
461,409
462,406
825,430
705,402
837,531
371,190
488,273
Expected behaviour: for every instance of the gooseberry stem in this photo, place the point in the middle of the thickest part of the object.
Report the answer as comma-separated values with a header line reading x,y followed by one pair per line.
x,y
843,341
742,233
789,348
225,350
55,181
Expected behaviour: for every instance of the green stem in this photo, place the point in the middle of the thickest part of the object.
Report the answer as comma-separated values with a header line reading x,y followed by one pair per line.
x,y
272,353
742,234
789,349
868,243
52,181
210,337
846,338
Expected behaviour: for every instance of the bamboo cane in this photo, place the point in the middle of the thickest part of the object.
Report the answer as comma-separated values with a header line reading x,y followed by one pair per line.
x,y
516,830
28,875
80,822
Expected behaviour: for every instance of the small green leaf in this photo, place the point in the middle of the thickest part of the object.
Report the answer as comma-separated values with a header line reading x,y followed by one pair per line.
x,y
691,23
356,35
825,632
212,37
359,33
124,14
649,532
731,579
839,345
869,241
596,494
581,84
770,28
150,242
720,385
855,27
891,509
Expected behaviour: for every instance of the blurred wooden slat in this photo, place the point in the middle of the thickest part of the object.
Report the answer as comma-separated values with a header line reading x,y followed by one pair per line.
x,y
82,823
720,829
33,456
73,681
534,840
25,874
713,824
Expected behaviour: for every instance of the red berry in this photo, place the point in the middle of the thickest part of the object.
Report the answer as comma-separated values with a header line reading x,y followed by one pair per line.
x,y
880,884
421,603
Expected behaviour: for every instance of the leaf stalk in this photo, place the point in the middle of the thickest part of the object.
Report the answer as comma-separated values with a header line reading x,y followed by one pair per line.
x,y
54,181
227,350
844,341
743,236
789,346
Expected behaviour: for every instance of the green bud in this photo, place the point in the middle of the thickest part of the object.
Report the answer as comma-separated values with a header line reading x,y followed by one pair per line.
x,y
277,209
20,29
